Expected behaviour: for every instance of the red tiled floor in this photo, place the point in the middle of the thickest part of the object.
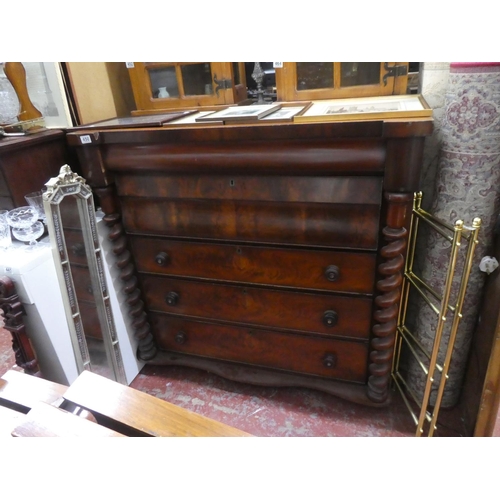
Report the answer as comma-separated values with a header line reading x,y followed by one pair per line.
x,y
266,411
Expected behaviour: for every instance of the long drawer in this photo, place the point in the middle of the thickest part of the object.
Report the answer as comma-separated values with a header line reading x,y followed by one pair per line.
x,y
305,312
312,355
309,269
340,226
269,188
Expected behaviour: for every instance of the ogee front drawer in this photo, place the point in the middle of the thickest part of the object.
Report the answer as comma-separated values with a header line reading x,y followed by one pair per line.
x,y
336,225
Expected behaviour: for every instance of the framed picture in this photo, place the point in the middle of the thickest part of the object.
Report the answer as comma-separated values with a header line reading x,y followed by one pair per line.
x,y
191,120
137,121
45,87
286,113
241,113
366,108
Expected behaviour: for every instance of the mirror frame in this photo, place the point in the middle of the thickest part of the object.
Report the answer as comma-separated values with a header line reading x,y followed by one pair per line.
x,y
68,183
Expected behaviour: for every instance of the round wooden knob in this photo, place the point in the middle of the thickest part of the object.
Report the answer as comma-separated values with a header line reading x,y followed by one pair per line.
x,y
330,360
332,273
180,338
330,318
162,258
172,298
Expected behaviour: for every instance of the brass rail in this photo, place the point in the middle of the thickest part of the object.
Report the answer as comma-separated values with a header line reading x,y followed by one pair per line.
x,y
405,338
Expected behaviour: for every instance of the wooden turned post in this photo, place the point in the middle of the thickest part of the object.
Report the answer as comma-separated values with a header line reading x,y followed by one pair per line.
x,y
140,322
387,301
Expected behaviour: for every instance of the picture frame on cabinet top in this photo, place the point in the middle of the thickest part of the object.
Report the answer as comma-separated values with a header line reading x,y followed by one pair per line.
x,y
241,113
138,121
366,108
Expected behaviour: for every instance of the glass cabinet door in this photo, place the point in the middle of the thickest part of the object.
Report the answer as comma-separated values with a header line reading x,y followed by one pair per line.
x,y
327,80
166,85
183,80
353,74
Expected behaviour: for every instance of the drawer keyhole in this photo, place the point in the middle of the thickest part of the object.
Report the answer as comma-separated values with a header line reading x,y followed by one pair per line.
x,y
232,183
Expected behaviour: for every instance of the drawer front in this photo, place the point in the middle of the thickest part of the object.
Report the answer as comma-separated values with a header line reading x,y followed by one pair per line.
x,y
309,269
268,150
305,312
312,224
311,355
361,190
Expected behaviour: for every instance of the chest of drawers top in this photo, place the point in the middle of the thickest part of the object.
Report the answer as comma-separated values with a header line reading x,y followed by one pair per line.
x,y
388,148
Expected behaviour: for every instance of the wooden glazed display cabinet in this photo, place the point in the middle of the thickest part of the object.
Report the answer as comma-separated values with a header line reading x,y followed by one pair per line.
x,y
163,86
304,81
266,254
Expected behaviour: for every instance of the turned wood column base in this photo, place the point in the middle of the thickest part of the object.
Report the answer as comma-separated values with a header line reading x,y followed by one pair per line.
x,y
390,270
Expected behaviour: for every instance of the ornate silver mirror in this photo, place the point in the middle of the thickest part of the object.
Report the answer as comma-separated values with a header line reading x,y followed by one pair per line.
x,y
71,221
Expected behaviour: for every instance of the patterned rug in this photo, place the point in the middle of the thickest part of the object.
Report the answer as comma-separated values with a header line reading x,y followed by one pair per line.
x,y
467,186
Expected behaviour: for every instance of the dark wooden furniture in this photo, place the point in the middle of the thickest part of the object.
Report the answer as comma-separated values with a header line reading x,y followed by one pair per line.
x,y
270,254
94,406
27,163
13,314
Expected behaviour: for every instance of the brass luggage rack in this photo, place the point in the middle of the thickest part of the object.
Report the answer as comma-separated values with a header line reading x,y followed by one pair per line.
x,y
442,305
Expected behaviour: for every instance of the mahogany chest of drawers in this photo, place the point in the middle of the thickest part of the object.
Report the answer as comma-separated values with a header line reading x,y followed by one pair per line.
x,y
270,254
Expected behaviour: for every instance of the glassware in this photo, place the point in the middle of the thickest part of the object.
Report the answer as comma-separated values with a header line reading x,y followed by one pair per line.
x,y
5,237
9,102
22,217
25,225
35,200
30,234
